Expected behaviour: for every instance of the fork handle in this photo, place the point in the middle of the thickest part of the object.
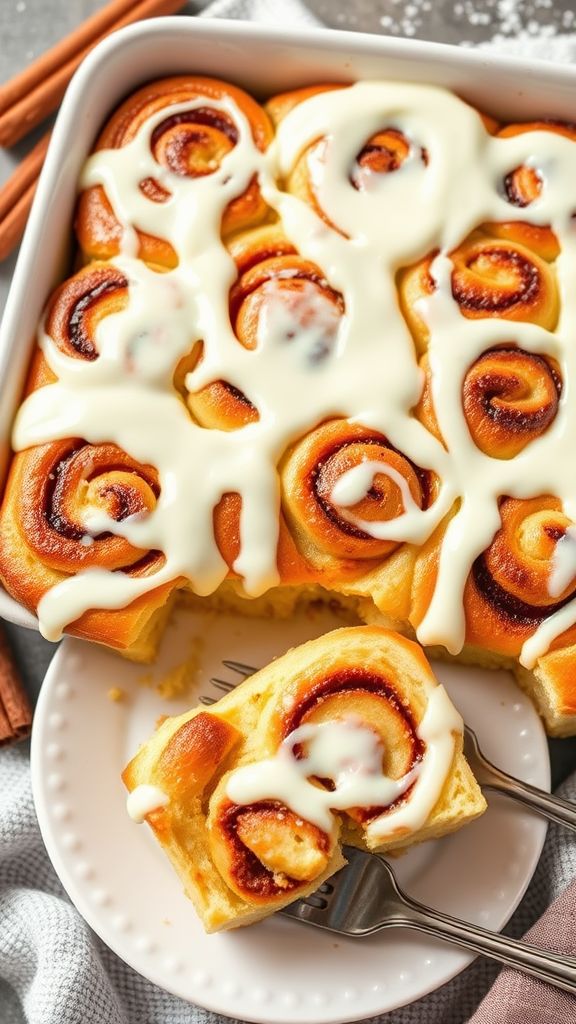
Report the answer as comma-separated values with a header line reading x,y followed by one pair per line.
x,y
552,807
550,967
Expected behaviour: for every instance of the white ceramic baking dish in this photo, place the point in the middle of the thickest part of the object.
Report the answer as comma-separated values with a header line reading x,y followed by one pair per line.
x,y
263,60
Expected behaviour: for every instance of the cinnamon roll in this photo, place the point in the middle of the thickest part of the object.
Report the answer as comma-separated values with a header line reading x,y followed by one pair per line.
x,y
250,798
510,590
490,278
333,535
277,297
188,143
62,500
509,398
521,186
383,152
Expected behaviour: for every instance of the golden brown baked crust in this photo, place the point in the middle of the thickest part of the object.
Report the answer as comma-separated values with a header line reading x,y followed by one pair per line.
x,y
239,863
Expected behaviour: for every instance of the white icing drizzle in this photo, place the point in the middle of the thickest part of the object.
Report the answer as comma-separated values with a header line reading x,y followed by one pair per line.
x,y
144,799
367,372
354,485
563,563
305,321
349,752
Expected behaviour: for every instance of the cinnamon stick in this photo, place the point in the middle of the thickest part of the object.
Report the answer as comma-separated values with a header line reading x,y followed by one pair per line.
x,y
15,708
63,51
25,174
21,116
12,227
16,197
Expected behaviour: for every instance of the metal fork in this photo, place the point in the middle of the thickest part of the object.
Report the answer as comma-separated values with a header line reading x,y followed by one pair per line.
x,y
487,774
490,777
364,897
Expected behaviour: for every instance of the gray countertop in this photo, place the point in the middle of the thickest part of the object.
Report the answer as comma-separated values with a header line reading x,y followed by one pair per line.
x,y
27,27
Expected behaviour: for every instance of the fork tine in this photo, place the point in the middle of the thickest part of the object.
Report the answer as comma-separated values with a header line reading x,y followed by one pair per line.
x,y
222,684
353,901
240,668
301,910
327,888
316,901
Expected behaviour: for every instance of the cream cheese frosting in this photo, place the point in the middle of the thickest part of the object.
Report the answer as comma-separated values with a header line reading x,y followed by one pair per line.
x,y
367,371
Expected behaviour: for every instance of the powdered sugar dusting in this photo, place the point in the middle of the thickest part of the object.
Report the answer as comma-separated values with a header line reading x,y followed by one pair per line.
x,y
533,30
526,28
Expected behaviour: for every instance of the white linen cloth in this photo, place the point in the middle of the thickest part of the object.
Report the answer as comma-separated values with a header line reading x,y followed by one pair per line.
x,y
53,970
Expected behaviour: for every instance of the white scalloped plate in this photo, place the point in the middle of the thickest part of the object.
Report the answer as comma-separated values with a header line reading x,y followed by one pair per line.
x,y
276,971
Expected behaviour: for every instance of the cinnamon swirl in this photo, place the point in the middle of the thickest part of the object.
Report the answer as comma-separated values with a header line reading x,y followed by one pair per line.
x,y
250,799
522,186
189,142
509,589
490,278
344,536
63,501
510,397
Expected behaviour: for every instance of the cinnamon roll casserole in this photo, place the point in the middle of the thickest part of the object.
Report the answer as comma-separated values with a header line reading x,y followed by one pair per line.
x,y
320,346
348,738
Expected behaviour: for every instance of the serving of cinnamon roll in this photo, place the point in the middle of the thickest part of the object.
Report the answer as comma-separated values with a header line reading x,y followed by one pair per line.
x,y
348,736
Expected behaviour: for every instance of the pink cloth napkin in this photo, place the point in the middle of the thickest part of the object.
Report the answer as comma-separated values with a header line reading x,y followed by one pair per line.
x,y
517,999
